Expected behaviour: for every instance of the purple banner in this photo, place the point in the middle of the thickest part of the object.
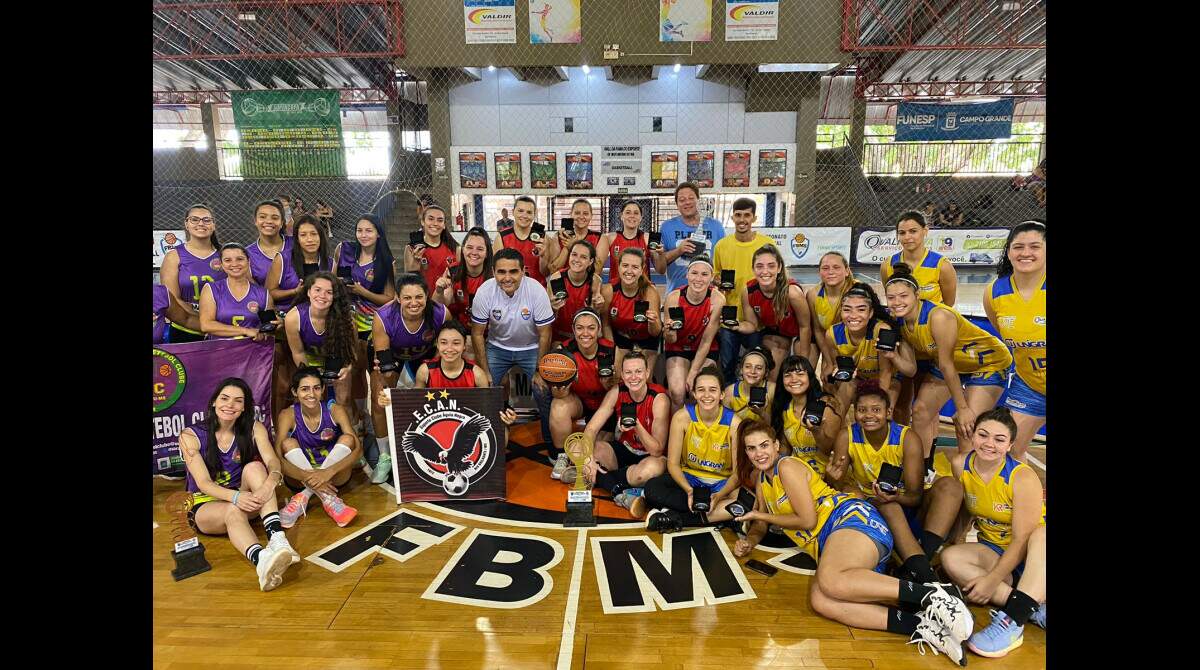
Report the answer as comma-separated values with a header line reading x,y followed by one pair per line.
x,y
185,376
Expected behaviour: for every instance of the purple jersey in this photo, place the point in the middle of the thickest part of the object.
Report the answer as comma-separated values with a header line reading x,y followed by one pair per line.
x,y
407,345
316,443
230,475
162,301
363,275
195,272
236,312
308,335
260,267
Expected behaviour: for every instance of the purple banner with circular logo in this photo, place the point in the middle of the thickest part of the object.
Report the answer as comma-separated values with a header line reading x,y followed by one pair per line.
x,y
184,378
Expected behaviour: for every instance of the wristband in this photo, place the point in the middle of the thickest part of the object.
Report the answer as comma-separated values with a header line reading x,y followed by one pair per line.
x,y
235,496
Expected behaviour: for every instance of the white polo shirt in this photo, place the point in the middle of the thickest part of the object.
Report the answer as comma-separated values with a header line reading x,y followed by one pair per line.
x,y
512,321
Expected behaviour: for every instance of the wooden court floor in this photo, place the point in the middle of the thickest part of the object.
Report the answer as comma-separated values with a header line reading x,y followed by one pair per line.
x,y
375,612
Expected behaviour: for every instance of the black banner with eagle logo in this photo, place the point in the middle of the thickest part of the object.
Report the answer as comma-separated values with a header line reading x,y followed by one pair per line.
x,y
449,443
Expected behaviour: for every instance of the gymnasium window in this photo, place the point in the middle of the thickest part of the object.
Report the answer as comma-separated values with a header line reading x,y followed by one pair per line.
x,y
1014,155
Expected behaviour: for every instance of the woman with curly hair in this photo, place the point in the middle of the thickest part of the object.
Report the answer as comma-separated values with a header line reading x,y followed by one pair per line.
x,y
319,329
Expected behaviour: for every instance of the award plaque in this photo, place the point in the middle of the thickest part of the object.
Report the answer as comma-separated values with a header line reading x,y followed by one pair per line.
x,y
186,550
581,511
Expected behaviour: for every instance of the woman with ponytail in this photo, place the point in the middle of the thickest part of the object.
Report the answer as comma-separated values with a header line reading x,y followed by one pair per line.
x,y
775,304
955,353
438,249
824,303
861,319
189,267
935,276
631,236
620,322
1015,303
466,278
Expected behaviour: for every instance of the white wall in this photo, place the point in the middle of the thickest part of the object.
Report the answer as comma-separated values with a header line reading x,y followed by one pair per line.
x,y
500,111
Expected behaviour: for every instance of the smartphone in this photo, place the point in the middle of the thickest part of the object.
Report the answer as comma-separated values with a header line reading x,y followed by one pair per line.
x,y
655,242
676,315
387,361
628,415
758,396
639,310
728,277
729,316
344,272
559,286
761,568
888,339
416,238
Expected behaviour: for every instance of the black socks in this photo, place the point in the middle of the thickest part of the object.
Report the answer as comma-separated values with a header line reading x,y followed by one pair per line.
x,y
1020,607
912,593
930,543
918,566
899,621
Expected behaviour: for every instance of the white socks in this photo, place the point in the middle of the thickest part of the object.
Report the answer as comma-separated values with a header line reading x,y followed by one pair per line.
x,y
297,458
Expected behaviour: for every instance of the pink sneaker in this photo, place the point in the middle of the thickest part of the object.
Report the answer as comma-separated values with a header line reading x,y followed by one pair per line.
x,y
340,512
291,512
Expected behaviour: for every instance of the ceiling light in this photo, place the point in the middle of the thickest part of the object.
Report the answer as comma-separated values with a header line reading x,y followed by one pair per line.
x,y
676,68
586,69
491,68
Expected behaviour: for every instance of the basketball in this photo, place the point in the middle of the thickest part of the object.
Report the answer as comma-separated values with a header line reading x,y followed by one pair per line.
x,y
557,368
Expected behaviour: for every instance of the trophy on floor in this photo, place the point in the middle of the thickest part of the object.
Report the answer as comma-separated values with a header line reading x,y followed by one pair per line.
x,y
187,551
580,507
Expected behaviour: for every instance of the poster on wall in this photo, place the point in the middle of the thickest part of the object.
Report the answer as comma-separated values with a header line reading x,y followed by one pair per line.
x,y
508,170
735,168
554,22
751,21
621,160
923,122
684,20
664,169
289,134
164,241
579,171
472,169
490,21
772,167
543,169
700,166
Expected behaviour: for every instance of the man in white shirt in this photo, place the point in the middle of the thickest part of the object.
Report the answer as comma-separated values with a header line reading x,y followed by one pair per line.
x,y
515,312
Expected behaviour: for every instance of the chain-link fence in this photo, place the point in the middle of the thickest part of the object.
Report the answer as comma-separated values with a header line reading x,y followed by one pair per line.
x,y
474,102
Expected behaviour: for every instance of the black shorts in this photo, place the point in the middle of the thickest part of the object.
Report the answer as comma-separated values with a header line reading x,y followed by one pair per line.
x,y
648,344
625,457
177,336
684,354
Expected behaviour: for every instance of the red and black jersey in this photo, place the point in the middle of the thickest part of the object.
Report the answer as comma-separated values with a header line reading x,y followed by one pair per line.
x,y
588,385
533,268
460,308
695,320
592,237
621,317
434,263
439,380
621,243
578,297
645,416
787,326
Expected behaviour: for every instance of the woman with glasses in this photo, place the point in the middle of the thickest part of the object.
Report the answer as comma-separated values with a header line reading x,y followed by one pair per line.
x,y
188,268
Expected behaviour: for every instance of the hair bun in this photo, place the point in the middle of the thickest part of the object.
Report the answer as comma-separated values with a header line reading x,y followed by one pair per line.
x,y
901,269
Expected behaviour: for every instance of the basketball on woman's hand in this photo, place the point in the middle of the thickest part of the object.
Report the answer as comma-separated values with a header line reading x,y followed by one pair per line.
x,y
556,368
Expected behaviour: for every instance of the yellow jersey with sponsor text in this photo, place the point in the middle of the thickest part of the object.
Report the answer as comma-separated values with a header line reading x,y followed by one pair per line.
x,y
707,450
825,499
1022,326
928,274
802,441
866,460
864,353
975,349
991,503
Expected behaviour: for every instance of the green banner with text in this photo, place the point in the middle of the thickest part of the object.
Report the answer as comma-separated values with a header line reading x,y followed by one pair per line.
x,y
289,134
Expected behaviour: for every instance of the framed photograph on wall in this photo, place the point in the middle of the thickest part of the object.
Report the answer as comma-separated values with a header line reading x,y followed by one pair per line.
x,y
664,169
543,169
472,169
772,167
508,169
735,168
700,168
579,171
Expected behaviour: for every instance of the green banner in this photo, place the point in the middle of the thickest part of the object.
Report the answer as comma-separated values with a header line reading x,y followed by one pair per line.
x,y
289,134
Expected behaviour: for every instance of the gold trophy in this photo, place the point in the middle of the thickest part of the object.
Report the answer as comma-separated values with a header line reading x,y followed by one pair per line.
x,y
580,507
187,550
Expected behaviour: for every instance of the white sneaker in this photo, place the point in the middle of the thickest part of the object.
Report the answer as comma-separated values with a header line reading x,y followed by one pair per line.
x,y
272,563
938,638
279,542
951,612
560,466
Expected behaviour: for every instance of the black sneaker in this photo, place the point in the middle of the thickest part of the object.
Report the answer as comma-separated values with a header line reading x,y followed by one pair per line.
x,y
664,521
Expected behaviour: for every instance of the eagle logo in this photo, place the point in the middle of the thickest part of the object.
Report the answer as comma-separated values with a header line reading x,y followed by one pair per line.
x,y
470,454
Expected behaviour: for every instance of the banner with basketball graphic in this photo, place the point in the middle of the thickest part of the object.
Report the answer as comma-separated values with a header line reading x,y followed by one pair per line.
x,y
447,444
185,377
805,246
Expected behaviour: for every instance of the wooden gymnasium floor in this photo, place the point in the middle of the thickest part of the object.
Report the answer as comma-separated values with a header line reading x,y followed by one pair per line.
x,y
372,613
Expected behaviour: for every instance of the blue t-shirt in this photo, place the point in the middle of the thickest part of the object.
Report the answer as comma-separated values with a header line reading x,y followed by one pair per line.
x,y
675,231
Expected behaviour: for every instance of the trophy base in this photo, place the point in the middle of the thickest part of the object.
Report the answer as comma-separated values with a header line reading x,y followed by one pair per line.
x,y
581,510
189,562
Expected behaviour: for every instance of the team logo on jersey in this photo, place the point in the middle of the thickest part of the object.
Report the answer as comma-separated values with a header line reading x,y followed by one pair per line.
x,y
1002,508
496,314
757,309
370,274
252,306
424,261
459,293
928,287
1007,321
450,446
1039,320
170,378
215,264
525,313
326,435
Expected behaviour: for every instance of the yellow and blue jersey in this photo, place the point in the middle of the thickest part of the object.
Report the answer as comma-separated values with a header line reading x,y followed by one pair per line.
x,y
975,349
928,274
866,460
865,355
1022,326
802,441
739,402
708,454
827,314
825,499
991,503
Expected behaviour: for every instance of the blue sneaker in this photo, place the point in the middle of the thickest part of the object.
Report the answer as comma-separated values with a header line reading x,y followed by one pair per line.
x,y
633,499
1039,617
1000,637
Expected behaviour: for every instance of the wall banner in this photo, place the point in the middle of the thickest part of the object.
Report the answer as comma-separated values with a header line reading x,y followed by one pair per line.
x,y
756,20
805,246
490,21
978,246
923,122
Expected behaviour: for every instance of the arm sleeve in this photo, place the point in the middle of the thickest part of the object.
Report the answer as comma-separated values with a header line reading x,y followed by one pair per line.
x,y
479,310
543,314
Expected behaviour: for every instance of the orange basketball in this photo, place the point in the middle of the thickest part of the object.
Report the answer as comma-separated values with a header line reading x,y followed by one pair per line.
x,y
557,368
